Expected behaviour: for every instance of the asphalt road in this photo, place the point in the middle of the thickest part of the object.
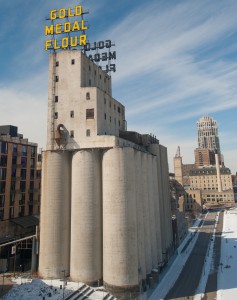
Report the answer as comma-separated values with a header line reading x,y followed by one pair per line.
x,y
188,281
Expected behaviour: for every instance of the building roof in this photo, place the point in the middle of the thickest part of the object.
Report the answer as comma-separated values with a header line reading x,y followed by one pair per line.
x,y
208,171
26,222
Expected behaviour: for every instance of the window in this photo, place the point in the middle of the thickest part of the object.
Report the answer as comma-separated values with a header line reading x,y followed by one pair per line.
x,y
118,109
32,174
56,99
14,148
13,173
89,82
90,113
56,78
87,96
2,187
1,214
2,200
3,173
23,186
4,147
119,123
11,212
57,63
110,119
72,113
88,132
95,72
23,162
55,115
33,151
105,116
21,211
32,162
104,101
72,133
89,68
73,61
23,174
24,150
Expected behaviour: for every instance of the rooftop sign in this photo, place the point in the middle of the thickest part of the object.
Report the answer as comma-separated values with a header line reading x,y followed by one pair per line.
x,y
65,23
66,29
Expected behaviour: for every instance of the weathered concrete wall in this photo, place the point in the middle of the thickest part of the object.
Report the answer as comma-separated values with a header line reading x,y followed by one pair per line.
x,y
164,198
55,214
146,215
140,197
120,255
86,217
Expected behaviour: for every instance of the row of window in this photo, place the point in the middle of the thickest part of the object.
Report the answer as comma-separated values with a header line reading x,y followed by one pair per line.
x,y
56,99
23,152
13,186
89,82
89,114
72,63
22,164
21,212
88,133
110,119
217,200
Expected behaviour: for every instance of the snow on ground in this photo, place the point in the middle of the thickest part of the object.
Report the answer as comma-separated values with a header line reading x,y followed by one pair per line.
x,y
24,289
36,289
227,275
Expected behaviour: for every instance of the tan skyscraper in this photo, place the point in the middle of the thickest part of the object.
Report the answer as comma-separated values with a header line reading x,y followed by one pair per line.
x,y
207,139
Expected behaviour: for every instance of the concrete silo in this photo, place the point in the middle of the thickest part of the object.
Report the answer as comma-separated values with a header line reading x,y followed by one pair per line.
x,y
140,222
120,254
86,217
55,214
151,207
146,214
157,210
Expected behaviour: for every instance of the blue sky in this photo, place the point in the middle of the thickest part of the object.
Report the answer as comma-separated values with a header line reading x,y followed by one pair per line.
x,y
176,61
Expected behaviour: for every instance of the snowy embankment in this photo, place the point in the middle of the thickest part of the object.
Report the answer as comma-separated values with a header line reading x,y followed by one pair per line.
x,y
227,275
37,289
175,269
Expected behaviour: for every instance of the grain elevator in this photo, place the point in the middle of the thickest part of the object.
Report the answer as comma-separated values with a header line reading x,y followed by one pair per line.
x,y
105,213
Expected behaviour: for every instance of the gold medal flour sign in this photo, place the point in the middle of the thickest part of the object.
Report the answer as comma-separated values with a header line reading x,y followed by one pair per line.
x,y
64,22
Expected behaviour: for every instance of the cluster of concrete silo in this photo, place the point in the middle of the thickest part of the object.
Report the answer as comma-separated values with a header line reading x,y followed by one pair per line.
x,y
105,215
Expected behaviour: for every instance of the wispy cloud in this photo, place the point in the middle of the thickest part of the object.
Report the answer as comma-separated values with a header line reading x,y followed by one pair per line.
x,y
176,62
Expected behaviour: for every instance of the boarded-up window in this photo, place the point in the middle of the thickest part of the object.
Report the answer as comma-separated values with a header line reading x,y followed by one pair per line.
x,y
90,113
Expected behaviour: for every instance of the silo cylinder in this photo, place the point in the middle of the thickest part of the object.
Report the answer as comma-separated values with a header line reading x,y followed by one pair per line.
x,y
120,255
146,214
86,217
140,221
55,214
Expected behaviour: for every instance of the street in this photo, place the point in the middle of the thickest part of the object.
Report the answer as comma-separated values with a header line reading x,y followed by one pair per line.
x,y
188,281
